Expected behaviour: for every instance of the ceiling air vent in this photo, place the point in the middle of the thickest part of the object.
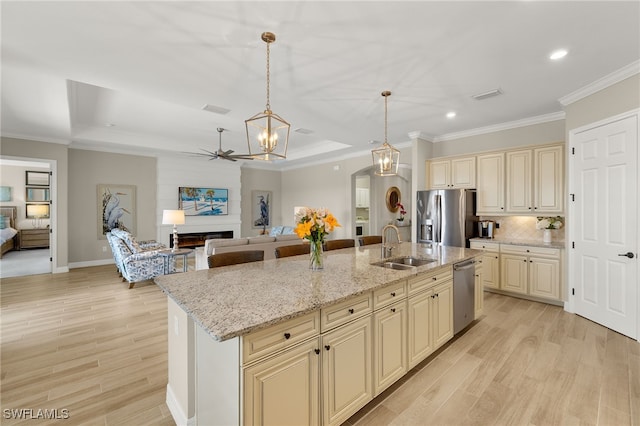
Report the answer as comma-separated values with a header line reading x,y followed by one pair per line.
x,y
216,109
303,131
485,95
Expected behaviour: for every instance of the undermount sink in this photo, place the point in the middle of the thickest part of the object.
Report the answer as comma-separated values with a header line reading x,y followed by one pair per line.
x,y
405,262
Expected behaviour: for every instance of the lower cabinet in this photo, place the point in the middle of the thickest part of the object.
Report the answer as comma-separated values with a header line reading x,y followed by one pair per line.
x,y
284,389
490,263
513,276
442,313
478,288
534,271
346,370
390,345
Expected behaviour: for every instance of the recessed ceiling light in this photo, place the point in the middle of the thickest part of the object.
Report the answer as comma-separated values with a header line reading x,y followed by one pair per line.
x,y
109,125
451,114
485,95
215,109
558,54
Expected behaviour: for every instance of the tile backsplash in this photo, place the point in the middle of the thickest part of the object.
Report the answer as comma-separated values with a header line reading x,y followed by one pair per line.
x,y
522,228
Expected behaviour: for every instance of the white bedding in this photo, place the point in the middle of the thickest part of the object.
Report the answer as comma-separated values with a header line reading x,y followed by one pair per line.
x,y
7,234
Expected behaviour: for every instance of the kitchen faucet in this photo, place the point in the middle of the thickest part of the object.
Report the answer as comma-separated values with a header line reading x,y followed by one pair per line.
x,y
386,250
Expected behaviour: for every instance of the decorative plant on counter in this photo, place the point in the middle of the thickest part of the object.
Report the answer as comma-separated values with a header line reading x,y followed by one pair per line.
x,y
402,212
314,225
549,222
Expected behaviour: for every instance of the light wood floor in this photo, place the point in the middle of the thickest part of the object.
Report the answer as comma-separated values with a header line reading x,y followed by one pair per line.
x,y
84,342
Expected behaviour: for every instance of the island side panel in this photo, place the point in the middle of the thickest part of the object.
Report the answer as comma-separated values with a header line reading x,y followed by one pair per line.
x,y
218,381
181,388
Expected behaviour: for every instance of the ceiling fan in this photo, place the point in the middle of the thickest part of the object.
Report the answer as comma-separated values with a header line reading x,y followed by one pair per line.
x,y
225,155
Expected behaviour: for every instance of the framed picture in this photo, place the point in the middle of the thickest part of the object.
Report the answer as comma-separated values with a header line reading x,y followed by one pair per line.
x,y
36,178
261,209
5,193
116,208
197,201
37,194
37,210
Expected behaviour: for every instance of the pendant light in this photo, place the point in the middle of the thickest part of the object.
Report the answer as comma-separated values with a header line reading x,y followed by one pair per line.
x,y
386,158
267,132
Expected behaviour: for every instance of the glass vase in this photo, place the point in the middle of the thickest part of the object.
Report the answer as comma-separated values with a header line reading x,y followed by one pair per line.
x,y
315,256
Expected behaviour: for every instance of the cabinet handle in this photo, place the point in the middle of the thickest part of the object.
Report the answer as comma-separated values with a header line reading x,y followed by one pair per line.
x,y
393,309
393,294
327,347
535,208
351,310
496,257
527,250
287,335
433,296
501,208
317,351
434,278
525,261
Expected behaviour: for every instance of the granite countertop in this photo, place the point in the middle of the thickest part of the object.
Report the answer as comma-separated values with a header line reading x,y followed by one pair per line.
x,y
519,242
235,300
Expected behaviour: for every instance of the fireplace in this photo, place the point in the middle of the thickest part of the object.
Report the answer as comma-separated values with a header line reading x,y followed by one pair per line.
x,y
197,239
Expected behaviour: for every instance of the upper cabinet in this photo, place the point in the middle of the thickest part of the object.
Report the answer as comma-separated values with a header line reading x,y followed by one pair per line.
x,y
362,197
451,173
490,188
535,181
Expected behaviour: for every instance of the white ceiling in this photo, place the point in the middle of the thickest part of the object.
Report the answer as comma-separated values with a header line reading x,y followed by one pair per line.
x,y
71,68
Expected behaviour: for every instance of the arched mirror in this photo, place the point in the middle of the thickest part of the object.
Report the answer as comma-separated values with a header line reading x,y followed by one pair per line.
x,y
393,197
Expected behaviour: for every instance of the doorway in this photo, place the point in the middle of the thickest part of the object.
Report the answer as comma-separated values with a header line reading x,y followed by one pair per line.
x,y
29,188
603,231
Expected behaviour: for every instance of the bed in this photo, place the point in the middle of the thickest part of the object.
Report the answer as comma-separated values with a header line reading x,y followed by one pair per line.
x,y
8,232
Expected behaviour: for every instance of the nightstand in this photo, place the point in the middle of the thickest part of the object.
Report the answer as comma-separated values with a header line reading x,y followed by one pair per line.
x,y
34,238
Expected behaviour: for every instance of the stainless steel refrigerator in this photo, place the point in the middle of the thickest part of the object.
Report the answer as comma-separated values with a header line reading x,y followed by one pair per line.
x,y
446,216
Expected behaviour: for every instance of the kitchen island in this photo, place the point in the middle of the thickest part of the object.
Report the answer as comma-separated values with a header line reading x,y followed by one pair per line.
x,y
272,341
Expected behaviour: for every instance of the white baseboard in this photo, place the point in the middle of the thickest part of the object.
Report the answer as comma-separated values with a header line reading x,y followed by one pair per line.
x,y
100,262
176,411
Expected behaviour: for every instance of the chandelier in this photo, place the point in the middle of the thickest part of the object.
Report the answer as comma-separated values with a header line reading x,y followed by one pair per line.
x,y
386,158
267,132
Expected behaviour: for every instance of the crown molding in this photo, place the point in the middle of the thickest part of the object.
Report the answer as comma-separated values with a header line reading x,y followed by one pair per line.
x,y
420,135
554,116
602,83
35,138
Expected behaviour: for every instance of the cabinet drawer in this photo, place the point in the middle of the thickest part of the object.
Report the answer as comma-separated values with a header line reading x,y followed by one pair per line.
x,y
389,294
530,250
343,312
486,246
265,342
422,282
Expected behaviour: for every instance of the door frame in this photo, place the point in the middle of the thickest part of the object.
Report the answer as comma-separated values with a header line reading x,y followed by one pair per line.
x,y
53,210
569,305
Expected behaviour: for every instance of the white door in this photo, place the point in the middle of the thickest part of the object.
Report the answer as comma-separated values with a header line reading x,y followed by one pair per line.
x,y
603,224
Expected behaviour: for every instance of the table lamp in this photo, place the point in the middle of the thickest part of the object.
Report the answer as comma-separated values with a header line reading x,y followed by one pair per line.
x,y
37,212
173,217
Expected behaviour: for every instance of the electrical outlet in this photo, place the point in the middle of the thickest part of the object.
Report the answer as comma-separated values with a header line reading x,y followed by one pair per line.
x,y
104,249
497,225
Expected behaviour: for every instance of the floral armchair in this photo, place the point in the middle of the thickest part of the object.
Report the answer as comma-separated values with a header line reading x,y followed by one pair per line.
x,y
137,260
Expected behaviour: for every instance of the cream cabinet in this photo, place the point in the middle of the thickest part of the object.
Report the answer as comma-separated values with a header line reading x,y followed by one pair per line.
x,y
390,345
362,197
534,271
478,289
490,263
284,389
442,313
451,173
346,370
420,342
534,181
490,184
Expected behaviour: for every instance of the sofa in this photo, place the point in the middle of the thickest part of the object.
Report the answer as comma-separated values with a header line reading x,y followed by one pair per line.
x,y
268,243
137,260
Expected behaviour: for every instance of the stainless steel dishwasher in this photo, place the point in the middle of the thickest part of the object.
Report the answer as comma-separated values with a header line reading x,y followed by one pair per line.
x,y
463,294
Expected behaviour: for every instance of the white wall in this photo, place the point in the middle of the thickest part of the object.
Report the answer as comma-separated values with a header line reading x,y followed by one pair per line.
x,y
174,172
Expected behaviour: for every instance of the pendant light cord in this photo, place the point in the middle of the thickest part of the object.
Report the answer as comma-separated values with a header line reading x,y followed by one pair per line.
x,y
268,79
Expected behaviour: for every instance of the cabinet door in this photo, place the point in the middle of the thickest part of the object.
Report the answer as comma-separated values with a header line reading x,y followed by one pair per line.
x,y
390,342
548,180
463,172
518,182
439,174
490,183
420,340
442,313
346,370
284,389
478,288
544,277
513,275
491,270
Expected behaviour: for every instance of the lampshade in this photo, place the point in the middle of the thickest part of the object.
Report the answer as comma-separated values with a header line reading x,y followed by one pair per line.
x,y
173,217
267,132
37,210
386,158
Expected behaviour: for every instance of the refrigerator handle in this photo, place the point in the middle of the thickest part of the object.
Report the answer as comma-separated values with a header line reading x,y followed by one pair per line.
x,y
437,226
